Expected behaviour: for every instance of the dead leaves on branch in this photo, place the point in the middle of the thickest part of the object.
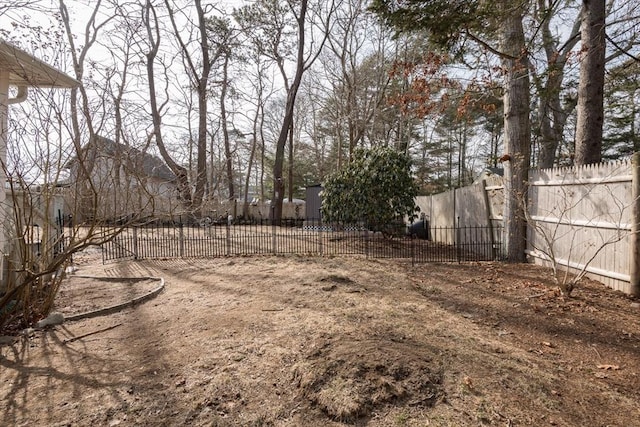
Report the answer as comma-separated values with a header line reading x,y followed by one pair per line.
x,y
430,86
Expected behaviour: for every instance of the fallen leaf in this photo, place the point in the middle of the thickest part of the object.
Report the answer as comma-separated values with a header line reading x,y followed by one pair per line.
x,y
609,367
468,382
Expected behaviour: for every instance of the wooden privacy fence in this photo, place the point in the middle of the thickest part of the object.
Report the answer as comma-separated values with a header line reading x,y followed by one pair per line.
x,y
580,218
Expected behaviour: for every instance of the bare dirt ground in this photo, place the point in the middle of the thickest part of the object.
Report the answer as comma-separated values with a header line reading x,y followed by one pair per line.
x,y
297,341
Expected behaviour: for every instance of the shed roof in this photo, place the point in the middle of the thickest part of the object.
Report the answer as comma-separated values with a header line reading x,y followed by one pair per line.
x,y
26,69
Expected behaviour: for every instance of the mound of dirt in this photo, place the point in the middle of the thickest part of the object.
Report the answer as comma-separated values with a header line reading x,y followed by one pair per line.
x,y
335,278
350,380
332,281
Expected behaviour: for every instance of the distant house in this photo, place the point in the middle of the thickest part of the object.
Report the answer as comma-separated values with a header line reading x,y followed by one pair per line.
x,y
112,182
21,71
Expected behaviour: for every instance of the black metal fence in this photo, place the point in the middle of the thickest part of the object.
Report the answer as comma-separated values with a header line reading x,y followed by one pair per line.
x,y
56,241
156,241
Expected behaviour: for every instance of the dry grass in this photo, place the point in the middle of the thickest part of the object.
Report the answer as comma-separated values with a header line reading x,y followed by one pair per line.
x,y
297,341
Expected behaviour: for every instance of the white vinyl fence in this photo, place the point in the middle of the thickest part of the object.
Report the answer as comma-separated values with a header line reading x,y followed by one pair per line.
x,y
582,217
578,217
477,205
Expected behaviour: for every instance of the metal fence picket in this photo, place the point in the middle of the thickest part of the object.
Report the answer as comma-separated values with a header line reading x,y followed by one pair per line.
x,y
446,244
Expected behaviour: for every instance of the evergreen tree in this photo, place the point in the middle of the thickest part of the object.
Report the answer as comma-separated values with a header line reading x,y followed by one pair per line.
x,y
622,112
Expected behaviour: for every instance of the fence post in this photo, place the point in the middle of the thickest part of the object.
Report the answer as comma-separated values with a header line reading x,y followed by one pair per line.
x,y
69,234
366,239
456,229
487,203
135,242
320,231
104,247
413,252
181,239
228,228
273,231
634,253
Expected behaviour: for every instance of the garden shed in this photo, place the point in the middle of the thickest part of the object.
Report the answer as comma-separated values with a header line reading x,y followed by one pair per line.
x,y
313,204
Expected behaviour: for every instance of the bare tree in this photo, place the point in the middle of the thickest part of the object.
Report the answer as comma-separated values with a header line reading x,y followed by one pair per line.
x,y
549,84
269,19
199,76
223,44
261,94
362,76
49,222
81,115
40,206
558,234
152,26
303,62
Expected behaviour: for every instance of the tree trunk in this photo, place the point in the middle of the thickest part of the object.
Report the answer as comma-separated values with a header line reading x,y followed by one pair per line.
x,y
252,152
517,136
287,122
552,118
150,20
225,129
553,115
338,133
262,155
590,112
201,154
290,165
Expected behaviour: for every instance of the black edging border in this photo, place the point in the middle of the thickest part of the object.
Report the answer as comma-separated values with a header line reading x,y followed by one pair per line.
x,y
118,307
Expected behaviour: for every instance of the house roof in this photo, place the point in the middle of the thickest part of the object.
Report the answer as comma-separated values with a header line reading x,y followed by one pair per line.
x,y
151,165
27,70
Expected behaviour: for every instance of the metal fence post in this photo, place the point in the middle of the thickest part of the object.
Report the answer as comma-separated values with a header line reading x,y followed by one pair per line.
x,y
413,251
273,231
457,240
366,240
320,231
228,229
181,239
135,242
105,246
